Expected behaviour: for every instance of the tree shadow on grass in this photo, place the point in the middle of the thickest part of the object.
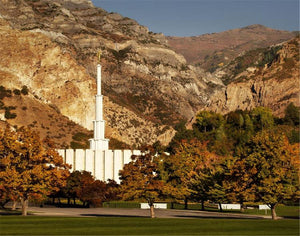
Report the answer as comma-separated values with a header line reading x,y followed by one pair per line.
x,y
291,217
10,213
219,217
109,215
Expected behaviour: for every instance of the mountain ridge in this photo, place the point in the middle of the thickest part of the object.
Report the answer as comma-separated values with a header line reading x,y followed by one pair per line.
x,y
210,50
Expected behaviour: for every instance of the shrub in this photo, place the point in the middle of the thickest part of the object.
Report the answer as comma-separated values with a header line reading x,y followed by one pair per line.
x,y
24,90
76,145
9,115
121,54
4,92
79,136
1,105
17,92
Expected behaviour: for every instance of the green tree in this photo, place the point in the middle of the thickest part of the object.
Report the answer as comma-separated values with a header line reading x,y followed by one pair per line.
x,y
292,115
239,129
209,126
182,134
207,121
28,168
262,118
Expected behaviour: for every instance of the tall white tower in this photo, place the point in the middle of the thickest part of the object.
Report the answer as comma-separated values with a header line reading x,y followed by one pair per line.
x,y
99,142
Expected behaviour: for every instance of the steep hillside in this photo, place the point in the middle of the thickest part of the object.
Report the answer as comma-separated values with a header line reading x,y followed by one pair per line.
x,y
54,79
263,77
137,64
211,51
20,108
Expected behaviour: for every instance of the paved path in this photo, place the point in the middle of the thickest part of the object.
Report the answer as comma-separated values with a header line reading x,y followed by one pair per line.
x,y
122,212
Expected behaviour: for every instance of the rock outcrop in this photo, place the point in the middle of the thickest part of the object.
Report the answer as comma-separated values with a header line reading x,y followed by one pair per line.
x,y
274,84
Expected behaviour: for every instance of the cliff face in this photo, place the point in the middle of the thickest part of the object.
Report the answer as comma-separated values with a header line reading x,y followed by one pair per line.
x,y
51,48
54,77
273,83
137,64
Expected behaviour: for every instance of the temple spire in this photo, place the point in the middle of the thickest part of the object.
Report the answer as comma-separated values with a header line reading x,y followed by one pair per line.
x,y
99,141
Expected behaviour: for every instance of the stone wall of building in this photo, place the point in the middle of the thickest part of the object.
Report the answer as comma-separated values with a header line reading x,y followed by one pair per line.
x,y
103,164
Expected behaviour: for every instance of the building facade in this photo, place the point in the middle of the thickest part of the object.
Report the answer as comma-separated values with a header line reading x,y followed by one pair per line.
x,y
103,163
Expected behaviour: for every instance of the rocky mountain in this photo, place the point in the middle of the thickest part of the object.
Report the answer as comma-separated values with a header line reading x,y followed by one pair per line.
x,y
212,51
51,46
55,80
266,77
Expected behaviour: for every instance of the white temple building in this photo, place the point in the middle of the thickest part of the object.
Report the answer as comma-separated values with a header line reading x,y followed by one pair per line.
x,y
102,162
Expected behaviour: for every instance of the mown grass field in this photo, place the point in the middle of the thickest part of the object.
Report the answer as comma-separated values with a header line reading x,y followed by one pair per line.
x,y
281,210
34,225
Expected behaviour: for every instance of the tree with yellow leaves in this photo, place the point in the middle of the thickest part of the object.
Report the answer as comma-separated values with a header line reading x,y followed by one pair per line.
x,y
28,168
238,182
189,170
140,179
269,169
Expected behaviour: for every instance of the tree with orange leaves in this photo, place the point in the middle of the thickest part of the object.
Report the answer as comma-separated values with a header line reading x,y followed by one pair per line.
x,y
140,180
189,169
28,168
238,182
89,190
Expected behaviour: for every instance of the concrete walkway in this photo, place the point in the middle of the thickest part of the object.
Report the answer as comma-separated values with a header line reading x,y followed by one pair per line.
x,y
122,212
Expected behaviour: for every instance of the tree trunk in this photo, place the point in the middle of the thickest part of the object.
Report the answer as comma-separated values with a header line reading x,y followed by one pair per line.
x,y
172,205
152,215
14,206
242,207
273,211
186,203
24,203
2,204
68,201
220,206
202,205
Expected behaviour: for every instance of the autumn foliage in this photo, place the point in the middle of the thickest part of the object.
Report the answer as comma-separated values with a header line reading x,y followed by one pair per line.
x,y
83,186
140,180
28,169
242,157
270,167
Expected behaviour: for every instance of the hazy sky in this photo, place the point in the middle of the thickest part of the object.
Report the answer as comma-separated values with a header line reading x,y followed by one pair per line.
x,y
195,17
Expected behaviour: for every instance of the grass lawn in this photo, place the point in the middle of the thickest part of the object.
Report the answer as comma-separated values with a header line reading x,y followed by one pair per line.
x,y
282,211
34,225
